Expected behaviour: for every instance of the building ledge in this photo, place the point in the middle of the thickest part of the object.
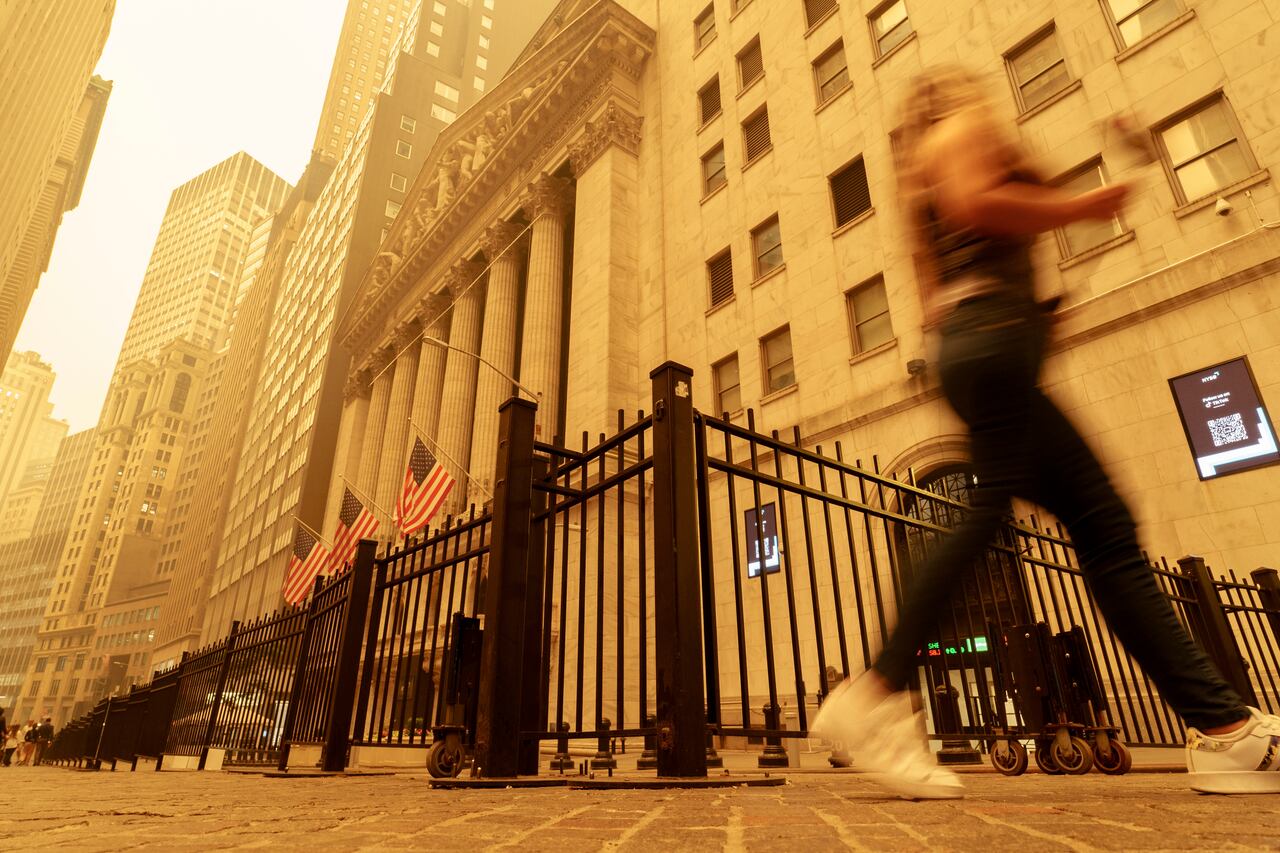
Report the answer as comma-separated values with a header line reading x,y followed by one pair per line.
x,y
715,192
853,223
1095,251
835,96
1259,177
719,305
753,84
779,394
893,51
699,51
1176,23
756,159
773,273
1074,86
818,23
866,355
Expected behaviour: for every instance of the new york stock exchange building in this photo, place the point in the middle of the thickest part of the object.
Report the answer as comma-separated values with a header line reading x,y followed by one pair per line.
x,y
714,185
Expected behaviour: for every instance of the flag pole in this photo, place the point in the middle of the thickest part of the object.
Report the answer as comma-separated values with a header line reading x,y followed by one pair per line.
x,y
314,533
422,434
360,494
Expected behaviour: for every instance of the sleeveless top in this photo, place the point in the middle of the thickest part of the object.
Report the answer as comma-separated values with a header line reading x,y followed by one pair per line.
x,y
1001,264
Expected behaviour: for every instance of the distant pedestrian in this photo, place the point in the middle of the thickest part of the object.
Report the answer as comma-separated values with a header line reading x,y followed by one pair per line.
x,y
975,209
10,744
27,743
44,736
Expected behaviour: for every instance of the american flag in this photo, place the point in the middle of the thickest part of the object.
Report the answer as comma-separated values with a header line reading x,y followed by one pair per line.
x,y
355,522
426,485
309,558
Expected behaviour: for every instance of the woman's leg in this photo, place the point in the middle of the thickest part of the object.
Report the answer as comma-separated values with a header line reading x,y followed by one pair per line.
x,y
1071,484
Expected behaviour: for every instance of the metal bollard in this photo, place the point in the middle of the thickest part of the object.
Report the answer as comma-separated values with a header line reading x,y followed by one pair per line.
x,y
774,755
713,757
649,758
603,759
562,760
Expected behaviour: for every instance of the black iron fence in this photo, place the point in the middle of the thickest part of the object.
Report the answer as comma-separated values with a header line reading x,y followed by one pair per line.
x,y
688,576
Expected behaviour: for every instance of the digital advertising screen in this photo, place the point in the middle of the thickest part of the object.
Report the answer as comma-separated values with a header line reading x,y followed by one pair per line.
x,y
1226,422
765,539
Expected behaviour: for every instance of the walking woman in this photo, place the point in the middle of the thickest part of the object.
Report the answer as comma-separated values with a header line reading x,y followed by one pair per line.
x,y
974,208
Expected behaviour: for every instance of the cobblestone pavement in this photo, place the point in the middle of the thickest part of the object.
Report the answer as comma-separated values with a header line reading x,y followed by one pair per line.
x,y
49,808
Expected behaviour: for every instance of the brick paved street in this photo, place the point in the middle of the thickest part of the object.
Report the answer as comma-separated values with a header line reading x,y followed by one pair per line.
x,y
50,808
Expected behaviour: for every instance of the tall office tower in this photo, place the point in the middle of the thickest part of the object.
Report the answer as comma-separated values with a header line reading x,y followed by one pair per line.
x,y
48,124
112,553
285,466
370,32
27,570
27,429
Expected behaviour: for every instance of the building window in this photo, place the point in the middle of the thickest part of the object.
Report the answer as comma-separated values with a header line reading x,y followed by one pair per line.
x,y
482,63
713,172
869,325
750,65
438,7
709,100
890,26
1037,69
779,369
720,277
437,29
850,195
816,10
755,135
403,149
407,124
399,182
442,113
479,84
831,73
1202,149
728,387
433,49
704,27
392,208
484,42
1084,235
1134,20
446,91
766,243
486,22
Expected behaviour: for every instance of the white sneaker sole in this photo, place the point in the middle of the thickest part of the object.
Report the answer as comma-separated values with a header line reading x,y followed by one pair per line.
x,y
916,789
1236,782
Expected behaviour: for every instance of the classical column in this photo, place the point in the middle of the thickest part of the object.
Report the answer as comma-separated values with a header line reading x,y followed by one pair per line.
x,y
391,466
375,427
498,346
434,315
547,205
458,400
346,455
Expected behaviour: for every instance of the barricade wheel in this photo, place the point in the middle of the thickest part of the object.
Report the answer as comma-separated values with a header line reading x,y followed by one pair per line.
x,y
443,761
1011,761
1115,761
1075,757
1044,757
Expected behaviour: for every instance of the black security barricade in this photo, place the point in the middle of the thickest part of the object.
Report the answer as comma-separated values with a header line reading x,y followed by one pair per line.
x,y
153,728
199,686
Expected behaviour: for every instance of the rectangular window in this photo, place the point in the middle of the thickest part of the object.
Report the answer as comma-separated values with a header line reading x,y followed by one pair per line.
x,y
850,195
403,149
890,26
1084,235
755,135
392,208
479,84
831,73
713,172
438,7
407,124
447,91
709,100
728,387
437,29
704,28
869,325
399,182
766,242
482,63
1202,149
750,65
816,10
486,22
442,113
1134,20
720,277
433,49
1037,69
779,369
484,42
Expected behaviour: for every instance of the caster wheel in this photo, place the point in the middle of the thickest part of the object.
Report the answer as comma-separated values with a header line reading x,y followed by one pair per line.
x,y
1044,757
1116,761
444,761
1012,760
1075,757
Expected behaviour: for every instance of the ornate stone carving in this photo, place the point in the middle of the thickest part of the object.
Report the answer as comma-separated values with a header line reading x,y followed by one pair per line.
x,y
406,333
431,308
502,236
461,276
384,267
548,195
358,385
614,126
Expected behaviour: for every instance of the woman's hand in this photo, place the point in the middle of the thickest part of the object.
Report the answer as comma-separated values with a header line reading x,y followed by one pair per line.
x,y
1102,203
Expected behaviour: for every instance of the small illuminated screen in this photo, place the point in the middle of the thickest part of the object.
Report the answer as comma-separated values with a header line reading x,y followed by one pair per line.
x,y
1226,422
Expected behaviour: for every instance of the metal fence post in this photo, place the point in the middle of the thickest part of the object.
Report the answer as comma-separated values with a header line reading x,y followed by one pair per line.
x,y
370,648
1268,581
217,693
299,676
677,591
1211,629
337,739
497,748
533,708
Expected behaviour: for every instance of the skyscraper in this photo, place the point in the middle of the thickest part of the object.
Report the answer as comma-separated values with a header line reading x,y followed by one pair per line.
x,y
180,315
286,465
28,430
49,118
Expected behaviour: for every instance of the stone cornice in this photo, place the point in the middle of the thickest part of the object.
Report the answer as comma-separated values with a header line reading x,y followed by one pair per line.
x,y
614,126
520,122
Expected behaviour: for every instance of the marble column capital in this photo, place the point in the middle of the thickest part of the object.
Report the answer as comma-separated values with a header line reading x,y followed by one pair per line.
x,y
431,309
358,385
613,126
548,195
461,276
503,236
406,333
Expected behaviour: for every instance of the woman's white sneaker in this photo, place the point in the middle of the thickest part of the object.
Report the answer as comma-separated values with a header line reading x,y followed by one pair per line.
x,y
1246,761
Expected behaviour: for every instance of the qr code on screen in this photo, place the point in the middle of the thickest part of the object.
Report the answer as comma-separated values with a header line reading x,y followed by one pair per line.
x,y
1228,430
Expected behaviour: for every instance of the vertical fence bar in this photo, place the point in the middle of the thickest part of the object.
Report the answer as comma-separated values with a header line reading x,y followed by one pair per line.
x,y
1211,629
299,676
531,684
347,667
1268,581
677,582
497,748
370,651
217,692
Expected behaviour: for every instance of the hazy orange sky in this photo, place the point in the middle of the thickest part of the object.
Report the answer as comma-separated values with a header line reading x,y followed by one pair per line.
x,y
194,82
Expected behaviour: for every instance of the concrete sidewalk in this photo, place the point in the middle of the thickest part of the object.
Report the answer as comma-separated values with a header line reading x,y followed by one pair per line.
x,y
47,808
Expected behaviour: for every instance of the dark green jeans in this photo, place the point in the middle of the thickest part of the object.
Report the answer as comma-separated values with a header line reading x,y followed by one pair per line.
x,y
1022,445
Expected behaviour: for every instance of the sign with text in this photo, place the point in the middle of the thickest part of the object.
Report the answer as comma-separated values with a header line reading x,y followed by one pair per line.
x,y
1226,423
766,539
